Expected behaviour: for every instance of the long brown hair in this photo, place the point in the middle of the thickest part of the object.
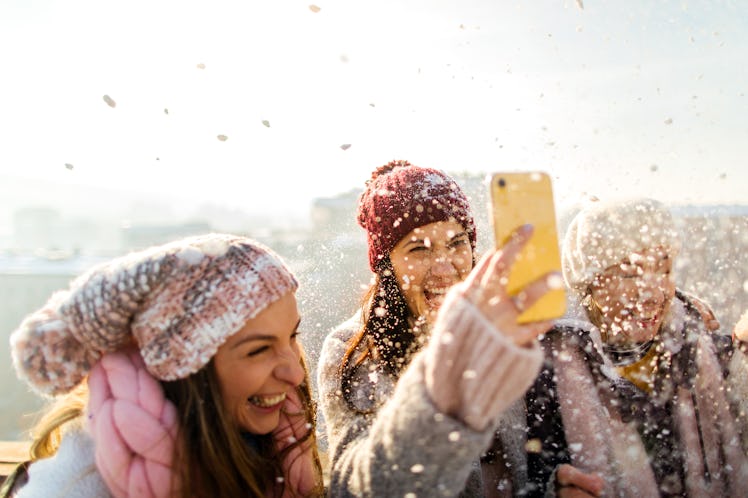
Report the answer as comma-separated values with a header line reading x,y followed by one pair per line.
x,y
388,333
215,458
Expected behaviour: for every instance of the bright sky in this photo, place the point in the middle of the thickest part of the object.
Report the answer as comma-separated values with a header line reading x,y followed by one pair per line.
x,y
615,98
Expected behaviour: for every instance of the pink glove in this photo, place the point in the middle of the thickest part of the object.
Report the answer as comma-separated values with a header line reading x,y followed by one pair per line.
x,y
300,471
134,427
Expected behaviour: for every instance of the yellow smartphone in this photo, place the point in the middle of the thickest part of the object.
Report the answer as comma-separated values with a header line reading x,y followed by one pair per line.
x,y
518,199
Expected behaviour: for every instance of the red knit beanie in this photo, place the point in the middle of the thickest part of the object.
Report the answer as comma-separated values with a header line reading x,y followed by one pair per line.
x,y
400,197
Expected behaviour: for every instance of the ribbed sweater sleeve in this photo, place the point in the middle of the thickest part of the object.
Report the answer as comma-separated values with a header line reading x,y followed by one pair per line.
x,y
472,371
409,445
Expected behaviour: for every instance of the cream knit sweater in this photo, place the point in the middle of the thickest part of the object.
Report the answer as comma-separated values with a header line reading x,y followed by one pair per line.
x,y
406,446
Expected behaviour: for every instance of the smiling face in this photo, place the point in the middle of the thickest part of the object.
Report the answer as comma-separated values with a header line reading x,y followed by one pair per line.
x,y
259,364
428,261
632,298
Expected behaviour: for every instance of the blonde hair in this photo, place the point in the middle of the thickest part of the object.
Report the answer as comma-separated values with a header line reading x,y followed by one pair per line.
x,y
66,411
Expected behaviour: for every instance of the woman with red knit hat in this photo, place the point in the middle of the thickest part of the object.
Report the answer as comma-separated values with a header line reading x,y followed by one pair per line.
x,y
413,386
177,373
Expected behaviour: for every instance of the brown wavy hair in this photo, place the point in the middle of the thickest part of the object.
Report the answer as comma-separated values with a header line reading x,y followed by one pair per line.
x,y
217,459
388,334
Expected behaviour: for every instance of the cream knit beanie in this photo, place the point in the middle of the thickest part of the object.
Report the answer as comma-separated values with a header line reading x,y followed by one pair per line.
x,y
606,233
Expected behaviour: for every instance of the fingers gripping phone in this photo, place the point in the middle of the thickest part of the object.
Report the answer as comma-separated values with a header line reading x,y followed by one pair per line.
x,y
518,199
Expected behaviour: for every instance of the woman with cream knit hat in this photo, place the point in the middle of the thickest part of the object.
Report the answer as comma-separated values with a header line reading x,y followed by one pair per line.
x,y
636,388
177,372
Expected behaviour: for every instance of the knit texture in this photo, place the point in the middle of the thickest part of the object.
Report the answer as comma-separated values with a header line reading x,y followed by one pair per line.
x,y
400,197
407,444
606,233
134,428
685,440
177,302
464,368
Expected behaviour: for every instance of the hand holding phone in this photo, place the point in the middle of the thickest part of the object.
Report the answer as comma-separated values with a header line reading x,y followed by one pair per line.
x,y
527,198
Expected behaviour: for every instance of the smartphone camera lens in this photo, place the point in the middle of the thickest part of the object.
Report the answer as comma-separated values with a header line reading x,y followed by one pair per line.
x,y
502,183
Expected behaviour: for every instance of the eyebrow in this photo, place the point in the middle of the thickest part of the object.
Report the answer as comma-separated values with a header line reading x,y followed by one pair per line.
x,y
262,337
423,239
627,261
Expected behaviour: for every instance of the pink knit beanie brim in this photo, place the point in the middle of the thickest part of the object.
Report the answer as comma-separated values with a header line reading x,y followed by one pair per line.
x,y
178,302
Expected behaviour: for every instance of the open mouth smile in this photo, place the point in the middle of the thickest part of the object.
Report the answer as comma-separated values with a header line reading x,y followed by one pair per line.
x,y
267,401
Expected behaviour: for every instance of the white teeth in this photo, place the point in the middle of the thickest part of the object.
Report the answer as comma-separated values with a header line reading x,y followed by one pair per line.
x,y
267,401
438,291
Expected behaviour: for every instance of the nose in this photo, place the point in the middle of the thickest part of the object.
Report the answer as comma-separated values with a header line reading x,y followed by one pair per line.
x,y
443,263
650,288
289,367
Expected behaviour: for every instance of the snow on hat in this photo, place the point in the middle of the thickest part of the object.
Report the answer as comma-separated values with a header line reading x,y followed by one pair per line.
x,y
606,233
400,197
178,302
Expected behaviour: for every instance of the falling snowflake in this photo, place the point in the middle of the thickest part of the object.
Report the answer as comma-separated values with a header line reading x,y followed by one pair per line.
x,y
533,445
555,282
69,166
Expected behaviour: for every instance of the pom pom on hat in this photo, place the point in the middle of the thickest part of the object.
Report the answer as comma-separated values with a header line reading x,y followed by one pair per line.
x,y
606,233
178,303
400,197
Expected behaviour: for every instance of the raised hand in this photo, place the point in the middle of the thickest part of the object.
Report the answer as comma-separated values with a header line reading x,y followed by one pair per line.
x,y
300,470
485,287
572,482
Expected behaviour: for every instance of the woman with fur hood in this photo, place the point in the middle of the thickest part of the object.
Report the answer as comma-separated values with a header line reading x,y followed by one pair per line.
x,y
635,386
